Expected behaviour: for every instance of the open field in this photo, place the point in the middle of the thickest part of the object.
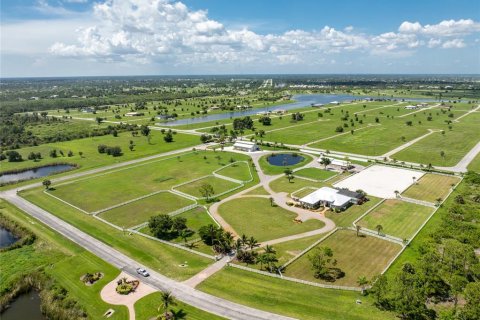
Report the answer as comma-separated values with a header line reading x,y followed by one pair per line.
x,y
430,187
219,186
147,308
475,164
256,217
63,260
238,170
356,256
282,185
140,211
346,218
128,183
289,249
290,298
157,256
196,218
398,218
92,159
454,143
315,173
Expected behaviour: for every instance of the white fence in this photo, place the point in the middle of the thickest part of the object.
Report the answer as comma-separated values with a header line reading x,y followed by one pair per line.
x,y
310,283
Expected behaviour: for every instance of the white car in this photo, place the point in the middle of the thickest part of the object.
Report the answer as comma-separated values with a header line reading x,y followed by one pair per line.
x,y
143,272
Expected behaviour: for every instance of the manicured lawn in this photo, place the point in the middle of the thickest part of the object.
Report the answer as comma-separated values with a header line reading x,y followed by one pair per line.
x,y
62,260
147,308
269,169
289,249
219,186
315,173
160,257
282,185
239,171
256,217
119,185
398,218
140,211
290,298
430,187
356,256
346,218
258,191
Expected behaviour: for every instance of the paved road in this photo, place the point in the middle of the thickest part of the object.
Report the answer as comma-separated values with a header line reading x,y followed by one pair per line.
x,y
462,165
180,290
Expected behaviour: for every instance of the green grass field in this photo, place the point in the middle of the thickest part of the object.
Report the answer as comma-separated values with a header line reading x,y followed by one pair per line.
x,y
196,218
140,211
256,217
315,173
290,298
219,186
430,187
92,159
63,260
346,218
289,249
282,185
454,143
163,258
475,164
239,171
115,186
356,256
147,308
398,218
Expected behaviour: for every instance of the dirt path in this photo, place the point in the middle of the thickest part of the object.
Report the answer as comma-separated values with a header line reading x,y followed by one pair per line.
x,y
408,144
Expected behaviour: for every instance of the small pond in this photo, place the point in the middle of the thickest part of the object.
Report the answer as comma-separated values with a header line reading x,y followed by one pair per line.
x,y
6,238
34,173
284,159
27,306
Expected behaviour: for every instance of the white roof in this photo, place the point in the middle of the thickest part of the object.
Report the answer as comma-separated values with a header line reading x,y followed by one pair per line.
x,y
326,194
244,144
411,107
335,162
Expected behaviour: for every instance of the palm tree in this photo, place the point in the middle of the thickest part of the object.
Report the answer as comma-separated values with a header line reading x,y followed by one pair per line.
x,y
362,282
262,259
185,234
379,228
414,179
396,193
270,249
272,202
244,239
166,300
325,161
252,243
358,229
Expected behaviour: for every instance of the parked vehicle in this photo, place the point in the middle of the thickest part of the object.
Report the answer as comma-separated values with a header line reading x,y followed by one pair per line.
x,y
142,272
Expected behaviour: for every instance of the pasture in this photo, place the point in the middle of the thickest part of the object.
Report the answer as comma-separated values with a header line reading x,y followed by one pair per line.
x,y
315,174
398,218
431,187
356,256
255,217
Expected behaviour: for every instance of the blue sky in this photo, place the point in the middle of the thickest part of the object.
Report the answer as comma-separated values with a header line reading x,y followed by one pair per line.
x,y
118,37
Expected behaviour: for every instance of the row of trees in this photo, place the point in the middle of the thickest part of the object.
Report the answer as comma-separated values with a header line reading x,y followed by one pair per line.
x,y
447,270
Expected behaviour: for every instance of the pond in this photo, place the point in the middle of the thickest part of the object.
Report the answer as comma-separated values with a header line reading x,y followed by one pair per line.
x,y
301,101
27,306
284,159
6,238
34,173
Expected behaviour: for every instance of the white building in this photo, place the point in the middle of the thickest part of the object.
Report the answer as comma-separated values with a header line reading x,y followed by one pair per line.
x,y
133,114
246,146
411,107
335,102
327,197
335,162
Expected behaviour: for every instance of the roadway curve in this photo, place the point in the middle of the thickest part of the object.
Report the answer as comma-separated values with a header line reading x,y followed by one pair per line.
x,y
180,290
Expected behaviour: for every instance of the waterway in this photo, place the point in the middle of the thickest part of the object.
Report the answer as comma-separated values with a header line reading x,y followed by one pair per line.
x,y
34,173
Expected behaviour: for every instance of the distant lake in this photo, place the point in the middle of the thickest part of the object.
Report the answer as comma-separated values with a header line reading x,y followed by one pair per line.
x,y
34,173
301,101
